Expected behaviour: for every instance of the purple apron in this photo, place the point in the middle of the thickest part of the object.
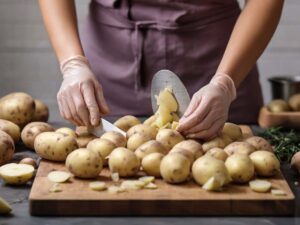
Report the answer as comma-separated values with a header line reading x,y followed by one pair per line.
x,y
128,41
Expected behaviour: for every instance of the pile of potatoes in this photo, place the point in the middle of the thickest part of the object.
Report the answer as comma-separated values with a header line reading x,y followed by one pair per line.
x,y
280,105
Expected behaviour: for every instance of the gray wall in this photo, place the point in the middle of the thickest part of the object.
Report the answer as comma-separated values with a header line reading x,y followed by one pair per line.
x,y
27,62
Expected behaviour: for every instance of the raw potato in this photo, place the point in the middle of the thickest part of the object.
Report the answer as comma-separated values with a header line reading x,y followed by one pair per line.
x,y
66,130
233,131
55,188
33,129
295,162
115,189
97,186
28,161
279,105
151,164
7,148
239,147
103,147
217,153
54,146
41,113
16,174
191,146
132,184
150,120
278,192
151,186
215,183
84,140
189,155
167,99
206,167
294,102
174,125
214,143
227,140
150,147
137,140
169,138
260,185
117,138
259,143
147,179
266,164
82,131
164,117
17,107
126,122
5,208
175,168
142,129
240,168
11,129
124,162
84,163
58,176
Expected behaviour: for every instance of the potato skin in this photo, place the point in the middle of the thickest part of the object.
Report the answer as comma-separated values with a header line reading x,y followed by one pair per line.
x,y
83,141
11,129
103,147
295,162
126,122
151,164
117,138
266,164
278,105
31,130
259,143
7,148
84,163
124,162
41,112
217,153
189,155
150,147
17,107
191,146
67,130
169,138
54,146
214,143
294,102
239,147
136,140
142,129
233,131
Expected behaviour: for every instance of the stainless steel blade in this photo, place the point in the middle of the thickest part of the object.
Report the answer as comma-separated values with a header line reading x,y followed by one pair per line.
x,y
166,78
105,126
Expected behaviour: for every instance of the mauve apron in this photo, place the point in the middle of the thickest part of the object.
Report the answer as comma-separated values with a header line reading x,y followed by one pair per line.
x,y
128,41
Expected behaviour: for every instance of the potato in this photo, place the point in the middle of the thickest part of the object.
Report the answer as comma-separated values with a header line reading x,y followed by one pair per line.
x,y
124,162
84,163
66,130
295,162
175,168
137,140
41,112
142,129
31,130
17,107
83,141
215,183
126,122
266,164
97,186
150,147
206,167
240,168
58,176
175,117
192,146
278,105
214,143
189,155
167,99
103,147
227,140
5,208
54,146
11,129
217,153
164,117
16,174
169,138
278,192
115,137
174,125
151,164
233,131
7,148
150,120
82,131
28,161
261,186
239,147
259,143
294,102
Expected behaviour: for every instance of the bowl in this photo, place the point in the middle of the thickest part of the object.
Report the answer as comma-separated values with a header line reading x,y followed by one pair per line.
x,y
283,87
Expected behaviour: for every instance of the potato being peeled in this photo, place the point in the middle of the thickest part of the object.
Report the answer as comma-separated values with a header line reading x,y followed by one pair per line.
x,y
126,122
169,138
17,107
103,147
7,148
11,129
266,164
41,113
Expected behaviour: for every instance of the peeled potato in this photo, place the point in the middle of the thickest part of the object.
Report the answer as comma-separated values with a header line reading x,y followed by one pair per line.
x,y
17,174
150,120
164,116
260,185
58,176
167,99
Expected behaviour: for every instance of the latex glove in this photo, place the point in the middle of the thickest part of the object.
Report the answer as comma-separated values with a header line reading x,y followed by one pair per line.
x,y
208,109
80,98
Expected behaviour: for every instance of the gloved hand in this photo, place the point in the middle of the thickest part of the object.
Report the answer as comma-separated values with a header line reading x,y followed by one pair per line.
x,y
208,109
80,98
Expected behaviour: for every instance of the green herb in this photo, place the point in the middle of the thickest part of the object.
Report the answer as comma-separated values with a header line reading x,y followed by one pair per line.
x,y
286,142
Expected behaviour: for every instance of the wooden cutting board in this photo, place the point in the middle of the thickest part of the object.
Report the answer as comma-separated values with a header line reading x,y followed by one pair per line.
x,y
188,199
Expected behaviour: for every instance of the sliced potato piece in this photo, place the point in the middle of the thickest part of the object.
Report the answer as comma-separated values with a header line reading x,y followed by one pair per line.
x,y
5,208
167,99
116,189
164,116
58,176
13,173
97,186
132,184
115,177
278,192
150,186
147,179
213,184
55,188
260,185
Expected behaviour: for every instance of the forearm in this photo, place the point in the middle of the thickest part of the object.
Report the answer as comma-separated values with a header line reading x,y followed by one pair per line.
x,y
251,34
61,24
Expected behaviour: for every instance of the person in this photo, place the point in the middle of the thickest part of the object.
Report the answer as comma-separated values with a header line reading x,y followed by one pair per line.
x,y
212,45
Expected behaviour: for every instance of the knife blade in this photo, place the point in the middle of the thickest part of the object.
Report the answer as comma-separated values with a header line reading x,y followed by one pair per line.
x,y
166,78
105,126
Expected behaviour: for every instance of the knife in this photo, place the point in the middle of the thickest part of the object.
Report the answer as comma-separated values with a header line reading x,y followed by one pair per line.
x,y
104,127
166,78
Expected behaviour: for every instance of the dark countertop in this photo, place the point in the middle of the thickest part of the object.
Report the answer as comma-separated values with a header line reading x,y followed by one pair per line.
x,y
18,198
